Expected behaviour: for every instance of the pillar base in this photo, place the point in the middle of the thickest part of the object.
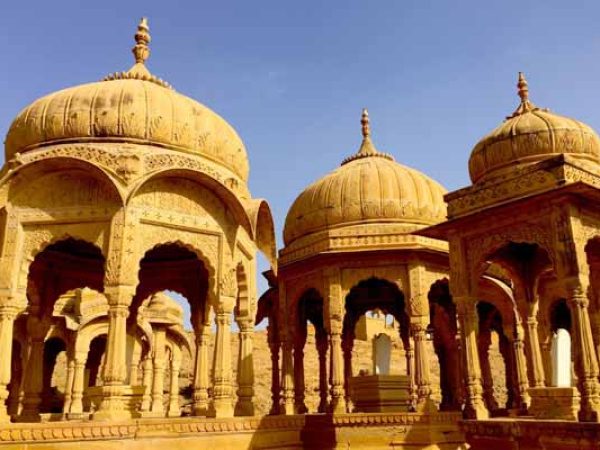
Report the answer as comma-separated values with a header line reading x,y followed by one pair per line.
x,y
76,416
288,409
117,402
337,406
561,403
476,412
426,405
223,407
244,408
200,407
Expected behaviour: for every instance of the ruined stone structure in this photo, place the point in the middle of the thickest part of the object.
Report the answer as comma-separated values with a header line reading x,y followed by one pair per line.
x,y
116,192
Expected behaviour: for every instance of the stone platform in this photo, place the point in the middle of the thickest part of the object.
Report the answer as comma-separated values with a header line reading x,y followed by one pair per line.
x,y
530,434
317,431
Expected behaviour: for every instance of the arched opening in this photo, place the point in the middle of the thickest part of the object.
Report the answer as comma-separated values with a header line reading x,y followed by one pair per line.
x,y
172,292
62,266
266,314
495,357
443,330
310,337
562,372
16,371
509,280
95,360
385,299
52,393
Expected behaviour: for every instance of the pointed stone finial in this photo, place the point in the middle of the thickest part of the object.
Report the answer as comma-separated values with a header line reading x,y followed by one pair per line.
x,y
366,147
141,51
523,87
366,125
523,90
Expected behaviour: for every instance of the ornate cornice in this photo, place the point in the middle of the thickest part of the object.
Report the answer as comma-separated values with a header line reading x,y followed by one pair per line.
x,y
537,178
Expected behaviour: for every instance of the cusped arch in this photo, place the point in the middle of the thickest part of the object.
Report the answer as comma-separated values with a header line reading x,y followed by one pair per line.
x,y
227,196
496,293
36,169
44,238
88,333
203,257
481,249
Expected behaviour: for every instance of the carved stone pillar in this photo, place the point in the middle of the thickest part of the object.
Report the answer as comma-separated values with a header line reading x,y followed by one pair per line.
x,y
334,312
287,378
321,341
287,364
523,399
274,348
222,373
467,316
422,374
147,377
533,344
158,363
586,362
338,402
487,381
7,320
347,347
409,354
299,386
76,410
33,374
245,393
69,384
201,374
114,377
173,410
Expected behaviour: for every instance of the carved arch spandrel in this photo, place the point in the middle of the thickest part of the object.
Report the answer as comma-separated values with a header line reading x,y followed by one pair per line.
x,y
230,201
93,186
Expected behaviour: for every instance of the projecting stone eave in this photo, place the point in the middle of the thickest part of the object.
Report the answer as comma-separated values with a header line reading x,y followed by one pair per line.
x,y
558,175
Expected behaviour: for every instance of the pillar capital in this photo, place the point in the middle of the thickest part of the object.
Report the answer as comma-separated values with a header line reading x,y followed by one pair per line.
x,y
225,305
119,295
8,311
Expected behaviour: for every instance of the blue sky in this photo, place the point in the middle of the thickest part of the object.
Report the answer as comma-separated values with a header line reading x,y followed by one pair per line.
x,y
292,77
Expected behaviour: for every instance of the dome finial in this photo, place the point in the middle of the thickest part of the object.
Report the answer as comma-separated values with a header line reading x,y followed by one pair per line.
x,y
141,51
523,87
366,125
523,90
366,147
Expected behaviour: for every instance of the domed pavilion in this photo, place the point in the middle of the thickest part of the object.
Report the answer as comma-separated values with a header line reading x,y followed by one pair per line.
x,y
532,213
350,248
128,188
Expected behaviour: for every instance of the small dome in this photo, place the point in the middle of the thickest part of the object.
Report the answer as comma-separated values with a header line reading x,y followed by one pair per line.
x,y
368,187
530,135
132,106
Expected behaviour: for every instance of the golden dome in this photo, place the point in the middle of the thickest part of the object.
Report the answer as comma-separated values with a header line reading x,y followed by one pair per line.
x,y
132,106
530,135
368,187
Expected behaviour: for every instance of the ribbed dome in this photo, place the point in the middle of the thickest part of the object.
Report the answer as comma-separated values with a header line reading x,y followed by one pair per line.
x,y
132,106
530,135
368,187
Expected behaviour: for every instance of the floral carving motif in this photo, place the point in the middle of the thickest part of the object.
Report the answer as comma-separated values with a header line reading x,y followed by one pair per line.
x,y
228,283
